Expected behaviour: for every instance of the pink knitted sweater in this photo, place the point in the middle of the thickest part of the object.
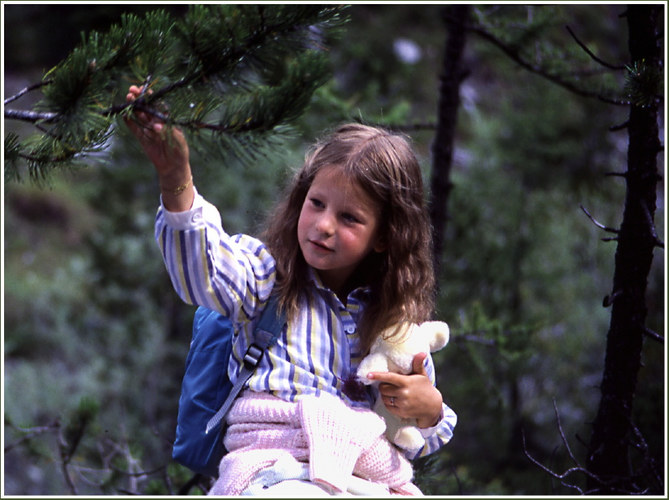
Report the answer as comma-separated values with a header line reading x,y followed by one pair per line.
x,y
336,440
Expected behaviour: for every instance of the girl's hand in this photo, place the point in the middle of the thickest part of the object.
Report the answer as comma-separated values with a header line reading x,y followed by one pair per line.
x,y
411,396
168,153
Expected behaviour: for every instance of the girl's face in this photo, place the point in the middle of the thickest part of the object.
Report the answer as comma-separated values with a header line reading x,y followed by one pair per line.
x,y
337,228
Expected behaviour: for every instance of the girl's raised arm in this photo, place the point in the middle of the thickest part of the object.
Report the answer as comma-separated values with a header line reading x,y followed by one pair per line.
x,y
167,149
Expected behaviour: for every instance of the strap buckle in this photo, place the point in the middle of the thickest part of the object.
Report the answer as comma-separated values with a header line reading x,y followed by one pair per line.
x,y
253,356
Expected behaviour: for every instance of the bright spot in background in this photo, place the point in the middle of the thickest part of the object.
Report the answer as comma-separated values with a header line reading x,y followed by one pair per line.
x,y
407,50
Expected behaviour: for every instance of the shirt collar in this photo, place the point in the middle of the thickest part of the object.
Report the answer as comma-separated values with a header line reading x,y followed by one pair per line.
x,y
359,294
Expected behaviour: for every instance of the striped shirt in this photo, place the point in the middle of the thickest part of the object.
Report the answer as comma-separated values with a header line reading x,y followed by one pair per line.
x,y
317,351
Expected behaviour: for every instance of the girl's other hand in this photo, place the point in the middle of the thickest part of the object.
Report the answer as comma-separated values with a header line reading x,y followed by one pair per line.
x,y
411,396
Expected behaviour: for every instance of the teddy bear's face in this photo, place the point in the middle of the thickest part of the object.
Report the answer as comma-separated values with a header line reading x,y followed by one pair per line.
x,y
396,353
400,350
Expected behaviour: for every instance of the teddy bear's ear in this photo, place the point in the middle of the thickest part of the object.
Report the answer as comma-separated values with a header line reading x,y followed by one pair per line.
x,y
440,334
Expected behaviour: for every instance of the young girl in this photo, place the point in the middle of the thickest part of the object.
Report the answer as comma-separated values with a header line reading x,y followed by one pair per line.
x,y
347,252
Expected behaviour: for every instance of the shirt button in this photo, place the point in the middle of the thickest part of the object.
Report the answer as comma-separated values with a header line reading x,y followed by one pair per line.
x,y
350,329
196,218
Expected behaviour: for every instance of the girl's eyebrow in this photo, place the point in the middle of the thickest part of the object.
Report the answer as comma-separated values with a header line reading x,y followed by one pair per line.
x,y
357,207
314,190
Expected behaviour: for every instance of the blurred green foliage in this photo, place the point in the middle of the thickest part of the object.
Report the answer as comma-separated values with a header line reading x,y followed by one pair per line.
x,y
95,339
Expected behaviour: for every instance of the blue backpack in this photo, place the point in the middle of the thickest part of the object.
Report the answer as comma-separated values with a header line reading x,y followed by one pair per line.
x,y
206,391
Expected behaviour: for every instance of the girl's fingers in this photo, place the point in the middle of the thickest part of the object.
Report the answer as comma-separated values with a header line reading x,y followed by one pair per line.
x,y
137,91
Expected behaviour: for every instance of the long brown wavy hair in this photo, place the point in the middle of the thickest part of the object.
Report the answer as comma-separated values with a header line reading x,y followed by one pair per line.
x,y
401,278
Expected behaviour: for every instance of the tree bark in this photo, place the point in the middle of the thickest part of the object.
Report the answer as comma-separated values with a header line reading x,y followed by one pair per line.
x,y
452,74
613,429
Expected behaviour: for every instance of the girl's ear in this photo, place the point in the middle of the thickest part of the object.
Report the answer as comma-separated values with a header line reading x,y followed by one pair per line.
x,y
380,246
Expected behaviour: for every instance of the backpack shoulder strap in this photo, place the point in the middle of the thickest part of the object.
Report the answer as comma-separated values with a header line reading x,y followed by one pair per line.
x,y
265,334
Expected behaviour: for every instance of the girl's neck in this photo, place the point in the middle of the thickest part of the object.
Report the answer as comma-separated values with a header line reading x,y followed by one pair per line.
x,y
343,290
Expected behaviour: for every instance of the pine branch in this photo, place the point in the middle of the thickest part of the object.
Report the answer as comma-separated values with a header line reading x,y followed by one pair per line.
x,y
644,83
255,80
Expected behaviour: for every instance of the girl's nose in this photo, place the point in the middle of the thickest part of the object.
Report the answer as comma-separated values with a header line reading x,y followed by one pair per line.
x,y
325,224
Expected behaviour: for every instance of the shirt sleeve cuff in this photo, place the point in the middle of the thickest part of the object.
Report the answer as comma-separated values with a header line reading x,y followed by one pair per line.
x,y
430,431
190,219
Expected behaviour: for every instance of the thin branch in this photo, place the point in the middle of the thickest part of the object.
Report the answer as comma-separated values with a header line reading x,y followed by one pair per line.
x,y
616,174
651,225
653,335
560,477
30,116
24,91
64,158
577,469
616,128
65,458
650,462
591,54
187,124
31,433
168,482
36,117
599,225
515,56
610,299
564,439
141,473
192,482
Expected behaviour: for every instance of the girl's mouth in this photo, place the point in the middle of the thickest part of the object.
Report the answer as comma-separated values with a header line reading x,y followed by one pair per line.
x,y
320,246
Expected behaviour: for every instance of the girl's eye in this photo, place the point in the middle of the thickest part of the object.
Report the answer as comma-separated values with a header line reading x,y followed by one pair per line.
x,y
317,203
350,218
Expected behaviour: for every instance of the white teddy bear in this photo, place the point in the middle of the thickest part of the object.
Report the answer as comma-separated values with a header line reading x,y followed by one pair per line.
x,y
395,354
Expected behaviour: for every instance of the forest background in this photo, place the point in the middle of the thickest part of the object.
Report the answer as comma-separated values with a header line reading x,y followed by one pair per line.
x,y
95,339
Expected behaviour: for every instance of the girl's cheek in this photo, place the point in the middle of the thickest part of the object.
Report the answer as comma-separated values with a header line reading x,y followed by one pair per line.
x,y
302,222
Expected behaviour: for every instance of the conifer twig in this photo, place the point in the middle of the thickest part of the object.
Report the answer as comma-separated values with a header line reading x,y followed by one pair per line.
x,y
30,116
598,224
653,335
591,54
27,89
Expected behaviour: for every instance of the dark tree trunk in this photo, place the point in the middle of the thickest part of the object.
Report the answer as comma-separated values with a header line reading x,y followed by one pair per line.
x,y
452,74
613,431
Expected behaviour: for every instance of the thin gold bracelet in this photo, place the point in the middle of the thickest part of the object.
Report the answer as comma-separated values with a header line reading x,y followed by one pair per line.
x,y
179,189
